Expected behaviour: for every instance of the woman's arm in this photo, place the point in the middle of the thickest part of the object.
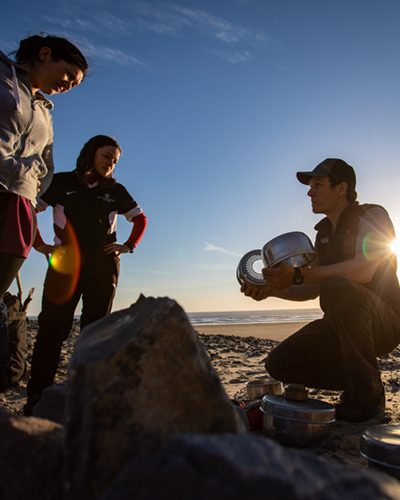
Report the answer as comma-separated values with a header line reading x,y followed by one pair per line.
x,y
40,246
24,163
138,229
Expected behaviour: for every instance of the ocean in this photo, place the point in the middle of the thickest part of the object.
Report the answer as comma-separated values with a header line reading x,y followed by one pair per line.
x,y
247,317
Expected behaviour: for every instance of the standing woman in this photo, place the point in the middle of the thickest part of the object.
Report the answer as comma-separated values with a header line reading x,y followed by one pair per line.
x,y
45,64
85,261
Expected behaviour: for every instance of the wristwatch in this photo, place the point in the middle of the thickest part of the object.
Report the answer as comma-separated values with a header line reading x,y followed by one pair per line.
x,y
298,278
130,246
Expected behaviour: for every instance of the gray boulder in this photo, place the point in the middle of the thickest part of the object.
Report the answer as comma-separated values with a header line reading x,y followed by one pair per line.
x,y
238,467
31,458
137,377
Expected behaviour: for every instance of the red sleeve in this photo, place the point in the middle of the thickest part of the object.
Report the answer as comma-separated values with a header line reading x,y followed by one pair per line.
x,y
139,227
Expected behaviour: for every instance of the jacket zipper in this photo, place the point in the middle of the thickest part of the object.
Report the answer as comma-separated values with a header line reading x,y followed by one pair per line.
x,y
22,142
24,135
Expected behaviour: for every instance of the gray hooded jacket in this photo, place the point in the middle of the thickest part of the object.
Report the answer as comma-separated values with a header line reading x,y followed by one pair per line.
x,y
26,134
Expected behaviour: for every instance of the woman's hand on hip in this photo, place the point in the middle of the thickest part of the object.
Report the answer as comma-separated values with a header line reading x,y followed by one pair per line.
x,y
115,248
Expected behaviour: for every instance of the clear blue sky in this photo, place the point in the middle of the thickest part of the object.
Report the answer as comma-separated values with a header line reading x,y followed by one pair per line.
x,y
216,104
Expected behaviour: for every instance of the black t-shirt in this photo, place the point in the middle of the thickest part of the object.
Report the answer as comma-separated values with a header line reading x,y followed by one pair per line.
x,y
87,212
362,230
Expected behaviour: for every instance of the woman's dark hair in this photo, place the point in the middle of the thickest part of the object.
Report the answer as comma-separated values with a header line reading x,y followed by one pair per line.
x,y
61,48
85,160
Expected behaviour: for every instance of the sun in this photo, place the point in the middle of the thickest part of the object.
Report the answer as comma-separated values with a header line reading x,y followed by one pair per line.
x,y
395,246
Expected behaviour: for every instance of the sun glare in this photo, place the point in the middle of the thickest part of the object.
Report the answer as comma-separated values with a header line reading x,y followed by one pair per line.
x,y
395,246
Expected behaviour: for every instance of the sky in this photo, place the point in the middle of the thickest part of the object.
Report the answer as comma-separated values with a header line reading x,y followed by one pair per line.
x,y
217,104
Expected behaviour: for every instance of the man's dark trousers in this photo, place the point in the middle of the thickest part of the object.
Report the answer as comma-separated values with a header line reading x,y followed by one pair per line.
x,y
339,351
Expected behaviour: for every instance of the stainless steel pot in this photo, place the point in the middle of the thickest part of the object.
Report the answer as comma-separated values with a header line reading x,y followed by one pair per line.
x,y
380,444
296,423
258,388
294,249
246,272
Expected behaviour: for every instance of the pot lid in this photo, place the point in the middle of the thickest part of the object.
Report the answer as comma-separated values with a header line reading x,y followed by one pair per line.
x,y
246,271
263,381
310,410
381,444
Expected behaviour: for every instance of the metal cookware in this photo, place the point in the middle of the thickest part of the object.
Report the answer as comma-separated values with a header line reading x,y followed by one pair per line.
x,y
380,444
296,423
258,388
296,392
246,272
294,249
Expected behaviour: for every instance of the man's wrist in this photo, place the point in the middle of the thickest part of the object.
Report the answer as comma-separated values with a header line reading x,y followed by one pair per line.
x,y
306,274
298,278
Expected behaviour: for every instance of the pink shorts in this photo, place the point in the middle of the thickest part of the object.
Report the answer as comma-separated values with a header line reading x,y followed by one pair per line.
x,y
17,225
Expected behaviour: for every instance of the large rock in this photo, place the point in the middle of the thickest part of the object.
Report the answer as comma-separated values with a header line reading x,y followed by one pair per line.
x,y
137,377
238,467
31,458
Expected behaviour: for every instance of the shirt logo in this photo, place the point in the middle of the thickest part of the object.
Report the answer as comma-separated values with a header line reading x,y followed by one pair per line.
x,y
70,192
106,198
324,240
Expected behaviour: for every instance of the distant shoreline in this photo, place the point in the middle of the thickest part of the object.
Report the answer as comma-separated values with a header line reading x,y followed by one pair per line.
x,y
270,331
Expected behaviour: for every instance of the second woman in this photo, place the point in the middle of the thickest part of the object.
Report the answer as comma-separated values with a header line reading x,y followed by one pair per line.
x,y
85,259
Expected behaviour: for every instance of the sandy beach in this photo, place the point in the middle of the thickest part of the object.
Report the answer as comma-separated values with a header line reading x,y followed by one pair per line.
x,y
271,331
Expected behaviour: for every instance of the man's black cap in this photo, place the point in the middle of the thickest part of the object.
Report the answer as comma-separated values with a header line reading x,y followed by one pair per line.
x,y
336,169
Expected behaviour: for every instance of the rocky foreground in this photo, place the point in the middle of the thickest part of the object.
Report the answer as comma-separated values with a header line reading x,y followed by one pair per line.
x,y
147,416
238,360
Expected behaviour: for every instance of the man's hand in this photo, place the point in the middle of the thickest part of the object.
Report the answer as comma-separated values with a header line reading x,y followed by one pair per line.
x,y
116,248
256,292
280,277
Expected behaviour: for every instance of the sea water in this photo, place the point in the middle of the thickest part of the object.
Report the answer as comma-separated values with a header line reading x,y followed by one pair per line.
x,y
248,317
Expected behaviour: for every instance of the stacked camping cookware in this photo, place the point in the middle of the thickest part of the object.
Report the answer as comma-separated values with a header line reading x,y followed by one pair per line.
x,y
293,249
288,416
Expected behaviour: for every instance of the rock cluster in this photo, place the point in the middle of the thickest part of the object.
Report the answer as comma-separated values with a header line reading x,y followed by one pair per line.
x,y
147,417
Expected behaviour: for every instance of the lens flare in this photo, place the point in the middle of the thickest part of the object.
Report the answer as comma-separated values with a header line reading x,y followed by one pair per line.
x,y
64,269
373,247
366,245
395,246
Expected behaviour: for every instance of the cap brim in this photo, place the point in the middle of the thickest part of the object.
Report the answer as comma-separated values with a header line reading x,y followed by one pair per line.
x,y
305,177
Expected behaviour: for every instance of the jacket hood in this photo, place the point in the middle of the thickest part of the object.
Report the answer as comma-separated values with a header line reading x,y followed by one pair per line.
x,y
5,59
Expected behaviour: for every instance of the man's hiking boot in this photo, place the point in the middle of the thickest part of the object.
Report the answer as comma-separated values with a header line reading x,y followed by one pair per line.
x,y
359,411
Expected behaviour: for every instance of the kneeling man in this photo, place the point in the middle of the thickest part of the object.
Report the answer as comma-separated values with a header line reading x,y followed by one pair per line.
x,y
355,278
